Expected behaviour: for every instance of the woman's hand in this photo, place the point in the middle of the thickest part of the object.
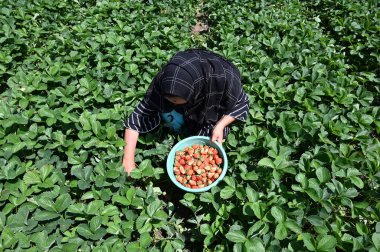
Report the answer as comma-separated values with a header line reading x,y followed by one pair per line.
x,y
217,134
128,165
129,150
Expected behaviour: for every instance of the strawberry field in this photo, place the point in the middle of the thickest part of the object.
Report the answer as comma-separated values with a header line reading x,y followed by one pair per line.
x,y
304,171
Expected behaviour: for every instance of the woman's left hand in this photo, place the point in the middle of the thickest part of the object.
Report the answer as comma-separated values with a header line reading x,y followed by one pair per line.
x,y
217,134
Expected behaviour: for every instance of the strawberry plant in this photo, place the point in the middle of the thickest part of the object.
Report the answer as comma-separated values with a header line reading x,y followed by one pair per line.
x,y
304,171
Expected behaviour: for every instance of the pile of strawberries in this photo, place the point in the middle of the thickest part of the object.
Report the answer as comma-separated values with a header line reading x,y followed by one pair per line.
x,y
197,166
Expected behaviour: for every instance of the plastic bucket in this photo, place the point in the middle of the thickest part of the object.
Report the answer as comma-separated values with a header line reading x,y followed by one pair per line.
x,y
180,146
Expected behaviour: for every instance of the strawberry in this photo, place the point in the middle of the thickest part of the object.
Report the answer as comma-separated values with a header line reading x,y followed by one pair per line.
x,y
182,170
197,166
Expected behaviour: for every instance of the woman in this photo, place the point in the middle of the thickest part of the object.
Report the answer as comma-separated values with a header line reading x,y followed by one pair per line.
x,y
197,91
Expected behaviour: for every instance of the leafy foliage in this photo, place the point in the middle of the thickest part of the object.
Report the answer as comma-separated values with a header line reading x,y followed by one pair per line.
x,y
305,168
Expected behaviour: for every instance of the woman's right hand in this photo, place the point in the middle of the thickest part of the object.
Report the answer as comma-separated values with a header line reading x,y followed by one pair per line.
x,y
129,150
128,165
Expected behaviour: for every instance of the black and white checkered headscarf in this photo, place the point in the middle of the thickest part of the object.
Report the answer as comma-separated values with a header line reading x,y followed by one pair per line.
x,y
209,83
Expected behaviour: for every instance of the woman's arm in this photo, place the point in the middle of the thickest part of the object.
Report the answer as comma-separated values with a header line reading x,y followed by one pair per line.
x,y
217,133
238,112
130,138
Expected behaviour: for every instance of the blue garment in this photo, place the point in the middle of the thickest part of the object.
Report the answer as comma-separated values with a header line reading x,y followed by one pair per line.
x,y
173,120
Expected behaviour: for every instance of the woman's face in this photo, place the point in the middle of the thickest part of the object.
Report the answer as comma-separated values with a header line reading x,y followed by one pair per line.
x,y
176,100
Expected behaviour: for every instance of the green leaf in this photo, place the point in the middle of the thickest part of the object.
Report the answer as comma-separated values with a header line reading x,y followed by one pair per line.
x,y
45,171
258,209
77,208
2,221
248,209
278,213
160,215
18,146
315,220
281,231
168,247
47,204
63,202
309,241
94,207
207,197
326,243
45,215
133,247
357,182
31,177
130,193
254,245
143,223
145,240
95,125
227,192
232,140
8,238
292,225
206,229
83,230
109,211
266,162
323,174
178,244
113,228
95,223
122,200
252,195
376,240
153,207
42,240
189,196
236,236
255,227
